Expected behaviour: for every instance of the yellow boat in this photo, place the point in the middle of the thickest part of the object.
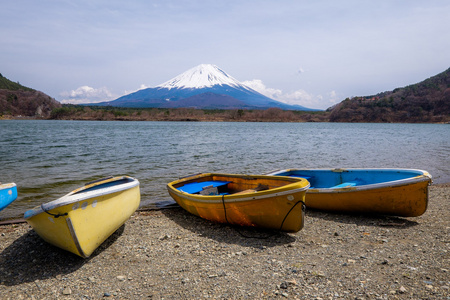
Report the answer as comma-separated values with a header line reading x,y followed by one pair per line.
x,y
396,192
82,220
272,202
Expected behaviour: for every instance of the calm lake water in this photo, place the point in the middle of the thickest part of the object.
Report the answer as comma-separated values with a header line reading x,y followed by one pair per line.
x,y
48,159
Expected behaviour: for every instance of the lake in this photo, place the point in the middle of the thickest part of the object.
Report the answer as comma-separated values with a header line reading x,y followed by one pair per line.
x,y
48,159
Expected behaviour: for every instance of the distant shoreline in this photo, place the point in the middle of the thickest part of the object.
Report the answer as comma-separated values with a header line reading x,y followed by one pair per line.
x,y
307,119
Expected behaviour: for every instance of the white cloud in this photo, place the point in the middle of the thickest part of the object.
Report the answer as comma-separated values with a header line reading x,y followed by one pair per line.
x,y
298,97
333,98
86,94
142,87
259,86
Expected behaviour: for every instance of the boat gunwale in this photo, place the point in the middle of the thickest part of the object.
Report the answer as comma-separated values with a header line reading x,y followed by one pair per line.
x,y
4,186
232,198
421,176
389,184
77,195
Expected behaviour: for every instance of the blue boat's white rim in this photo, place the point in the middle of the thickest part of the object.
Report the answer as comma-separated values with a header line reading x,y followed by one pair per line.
x,y
366,187
77,196
7,185
420,172
422,175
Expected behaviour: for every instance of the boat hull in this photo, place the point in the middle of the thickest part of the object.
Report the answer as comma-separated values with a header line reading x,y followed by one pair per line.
x,y
84,220
405,194
8,193
280,207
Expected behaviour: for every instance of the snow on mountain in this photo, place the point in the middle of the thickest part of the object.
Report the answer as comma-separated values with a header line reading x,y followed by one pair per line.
x,y
201,76
205,86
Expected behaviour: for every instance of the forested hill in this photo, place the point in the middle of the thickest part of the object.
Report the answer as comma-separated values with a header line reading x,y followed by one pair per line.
x,y
426,101
18,100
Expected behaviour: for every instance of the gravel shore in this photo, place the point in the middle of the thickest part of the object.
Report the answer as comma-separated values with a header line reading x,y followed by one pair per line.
x,y
171,254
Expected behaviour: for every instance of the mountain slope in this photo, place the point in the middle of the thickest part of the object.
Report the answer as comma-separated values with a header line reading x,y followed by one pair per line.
x,y
426,101
6,84
206,80
208,101
16,99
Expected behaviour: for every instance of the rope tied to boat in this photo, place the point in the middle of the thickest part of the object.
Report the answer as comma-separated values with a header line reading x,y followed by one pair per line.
x,y
224,209
54,215
285,217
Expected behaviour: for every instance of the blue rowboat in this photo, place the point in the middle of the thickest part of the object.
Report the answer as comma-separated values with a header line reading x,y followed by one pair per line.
x,y
397,192
8,193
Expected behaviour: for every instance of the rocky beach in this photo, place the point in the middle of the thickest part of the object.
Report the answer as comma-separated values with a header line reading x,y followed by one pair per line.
x,y
171,254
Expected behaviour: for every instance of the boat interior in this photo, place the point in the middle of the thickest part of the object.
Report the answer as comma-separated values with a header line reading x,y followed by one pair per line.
x,y
101,185
341,178
217,185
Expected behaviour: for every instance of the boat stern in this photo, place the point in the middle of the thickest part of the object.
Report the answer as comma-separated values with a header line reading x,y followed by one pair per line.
x,y
8,193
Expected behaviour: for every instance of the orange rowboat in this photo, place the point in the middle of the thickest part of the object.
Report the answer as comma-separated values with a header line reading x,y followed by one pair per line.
x,y
272,202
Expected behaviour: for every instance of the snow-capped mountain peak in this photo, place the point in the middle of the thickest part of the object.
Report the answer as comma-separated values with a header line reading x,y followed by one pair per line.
x,y
205,86
204,75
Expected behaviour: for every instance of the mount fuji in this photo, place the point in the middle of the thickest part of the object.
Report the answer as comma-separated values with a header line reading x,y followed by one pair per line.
x,y
203,87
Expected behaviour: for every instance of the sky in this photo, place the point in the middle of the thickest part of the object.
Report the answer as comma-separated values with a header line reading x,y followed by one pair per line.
x,y
311,53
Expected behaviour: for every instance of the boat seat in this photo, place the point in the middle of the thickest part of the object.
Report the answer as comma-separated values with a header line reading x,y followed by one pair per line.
x,y
197,187
249,191
260,187
344,184
209,191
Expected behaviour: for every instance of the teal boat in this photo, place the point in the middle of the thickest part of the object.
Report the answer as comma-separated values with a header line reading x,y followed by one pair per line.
x,y
8,193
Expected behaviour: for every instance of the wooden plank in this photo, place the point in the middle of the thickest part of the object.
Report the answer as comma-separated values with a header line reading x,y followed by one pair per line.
x,y
15,221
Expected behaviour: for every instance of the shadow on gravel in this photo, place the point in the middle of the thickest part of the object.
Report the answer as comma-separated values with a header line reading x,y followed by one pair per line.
x,y
225,233
363,219
30,258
